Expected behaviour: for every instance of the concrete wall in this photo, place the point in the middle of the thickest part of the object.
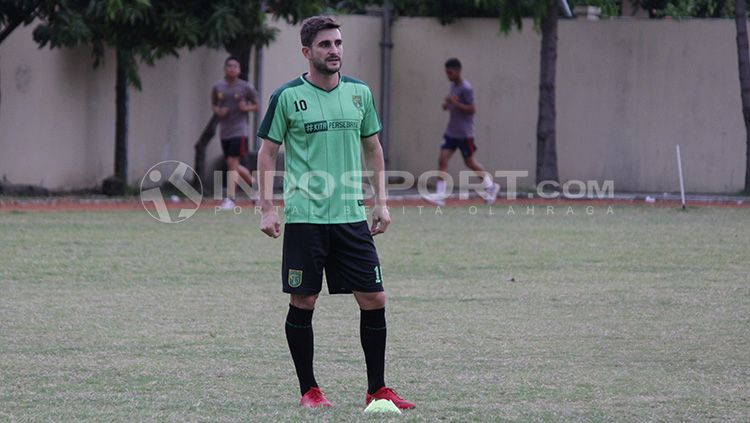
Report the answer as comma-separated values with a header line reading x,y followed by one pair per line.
x,y
57,113
647,88
504,73
628,91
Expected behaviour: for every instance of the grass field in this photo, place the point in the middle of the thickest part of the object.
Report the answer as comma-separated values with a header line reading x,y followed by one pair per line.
x,y
638,315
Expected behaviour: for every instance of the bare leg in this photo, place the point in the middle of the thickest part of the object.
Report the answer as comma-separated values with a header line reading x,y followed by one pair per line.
x,y
477,167
491,189
445,156
232,164
245,174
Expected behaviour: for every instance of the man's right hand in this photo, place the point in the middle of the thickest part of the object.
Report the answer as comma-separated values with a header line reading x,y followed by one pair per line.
x,y
269,224
221,111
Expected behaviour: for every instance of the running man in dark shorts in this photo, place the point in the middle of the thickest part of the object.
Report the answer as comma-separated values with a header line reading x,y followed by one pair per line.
x,y
232,99
325,120
460,134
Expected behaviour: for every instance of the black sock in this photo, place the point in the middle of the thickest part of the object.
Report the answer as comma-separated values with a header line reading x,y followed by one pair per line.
x,y
372,333
299,336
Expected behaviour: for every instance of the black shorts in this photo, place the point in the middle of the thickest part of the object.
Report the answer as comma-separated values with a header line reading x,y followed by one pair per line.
x,y
466,145
345,251
234,147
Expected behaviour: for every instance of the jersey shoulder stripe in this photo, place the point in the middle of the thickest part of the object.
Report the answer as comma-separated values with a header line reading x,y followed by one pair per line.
x,y
352,80
265,126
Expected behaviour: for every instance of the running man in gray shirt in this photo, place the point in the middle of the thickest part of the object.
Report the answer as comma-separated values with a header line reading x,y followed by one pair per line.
x,y
232,99
460,134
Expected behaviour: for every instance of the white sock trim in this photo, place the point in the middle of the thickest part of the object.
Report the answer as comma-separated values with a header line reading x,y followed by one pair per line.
x,y
440,187
487,181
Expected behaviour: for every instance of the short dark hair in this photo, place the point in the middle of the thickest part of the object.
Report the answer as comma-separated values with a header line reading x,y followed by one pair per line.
x,y
311,26
453,63
230,58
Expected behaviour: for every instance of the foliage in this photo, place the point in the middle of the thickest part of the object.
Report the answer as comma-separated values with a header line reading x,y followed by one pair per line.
x,y
149,29
687,8
698,9
14,13
609,8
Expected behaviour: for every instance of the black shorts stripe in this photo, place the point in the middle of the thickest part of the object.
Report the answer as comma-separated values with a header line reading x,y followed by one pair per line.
x,y
466,145
234,147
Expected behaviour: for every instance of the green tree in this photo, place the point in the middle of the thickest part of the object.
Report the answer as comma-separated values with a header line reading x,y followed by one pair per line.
x,y
142,31
687,8
14,13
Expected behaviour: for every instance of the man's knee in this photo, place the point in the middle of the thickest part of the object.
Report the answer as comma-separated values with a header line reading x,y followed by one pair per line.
x,y
472,164
305,302
370,300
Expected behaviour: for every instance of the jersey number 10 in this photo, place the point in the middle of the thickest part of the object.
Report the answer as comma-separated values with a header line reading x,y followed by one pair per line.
x,y
301,105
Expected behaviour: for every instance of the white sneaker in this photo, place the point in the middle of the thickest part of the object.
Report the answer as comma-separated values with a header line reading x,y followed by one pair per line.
x,y
227,204
435,199
491,194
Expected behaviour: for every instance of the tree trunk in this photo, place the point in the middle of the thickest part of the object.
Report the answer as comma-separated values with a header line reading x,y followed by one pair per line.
x,y
121,119
200,149
546,150
242,48
743,57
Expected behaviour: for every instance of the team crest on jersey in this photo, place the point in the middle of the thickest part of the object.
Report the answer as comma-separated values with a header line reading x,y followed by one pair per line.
x,y
357,100
295,278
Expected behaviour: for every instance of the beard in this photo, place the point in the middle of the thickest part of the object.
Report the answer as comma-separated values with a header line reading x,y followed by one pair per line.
x,y
323,67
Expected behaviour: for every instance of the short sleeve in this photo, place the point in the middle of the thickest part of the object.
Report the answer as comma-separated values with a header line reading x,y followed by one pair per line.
x,y
468,95
370,122
274,125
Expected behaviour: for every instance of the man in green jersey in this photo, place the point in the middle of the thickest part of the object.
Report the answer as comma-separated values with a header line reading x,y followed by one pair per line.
x,y
325,120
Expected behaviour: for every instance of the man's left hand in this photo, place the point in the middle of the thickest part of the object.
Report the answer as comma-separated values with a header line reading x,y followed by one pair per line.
x,y
380,220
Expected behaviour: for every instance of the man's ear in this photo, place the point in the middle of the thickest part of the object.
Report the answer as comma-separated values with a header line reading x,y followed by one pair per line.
x,y
306,52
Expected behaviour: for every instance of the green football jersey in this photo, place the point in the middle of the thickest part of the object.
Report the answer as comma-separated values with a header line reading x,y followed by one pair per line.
x,y
321,132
